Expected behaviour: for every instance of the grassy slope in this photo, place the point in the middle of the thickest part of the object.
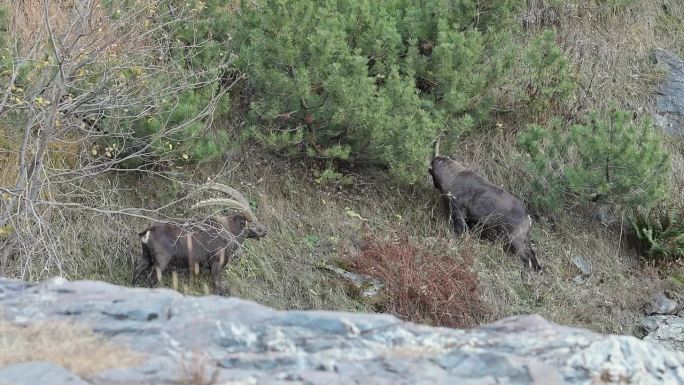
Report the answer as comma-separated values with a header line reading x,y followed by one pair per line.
x,y
311,224
281,270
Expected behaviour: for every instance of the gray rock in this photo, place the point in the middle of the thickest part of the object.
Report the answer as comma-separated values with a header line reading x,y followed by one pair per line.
x,y
241,342
669,113
660,304
581,264
666,330
33,373
604,215
368,285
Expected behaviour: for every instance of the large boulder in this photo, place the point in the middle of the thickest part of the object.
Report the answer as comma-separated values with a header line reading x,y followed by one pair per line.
x,y
241,342
669,109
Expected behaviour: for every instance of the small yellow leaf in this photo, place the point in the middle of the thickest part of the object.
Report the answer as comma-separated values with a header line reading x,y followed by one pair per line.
x,y
186,157
42,101
6,230
353,214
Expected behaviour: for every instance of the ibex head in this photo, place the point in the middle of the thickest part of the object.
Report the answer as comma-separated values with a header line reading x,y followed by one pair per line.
x,y
244,223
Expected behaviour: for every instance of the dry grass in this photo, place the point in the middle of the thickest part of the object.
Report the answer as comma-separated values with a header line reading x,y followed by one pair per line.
x,y
280,269
27,20
8,168
26,17
610,300
310,225
610,45
676,148
194,371
9,164
61,155
71,346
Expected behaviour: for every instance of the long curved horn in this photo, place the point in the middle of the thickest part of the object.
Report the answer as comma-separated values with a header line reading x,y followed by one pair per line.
x,y
232,203
435,148
231,192
435,145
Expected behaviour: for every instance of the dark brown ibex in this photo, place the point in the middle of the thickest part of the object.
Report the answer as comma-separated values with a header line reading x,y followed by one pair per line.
x,y
209,243
472,200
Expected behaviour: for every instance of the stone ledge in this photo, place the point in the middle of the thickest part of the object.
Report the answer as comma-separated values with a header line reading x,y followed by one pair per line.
x,y
242,342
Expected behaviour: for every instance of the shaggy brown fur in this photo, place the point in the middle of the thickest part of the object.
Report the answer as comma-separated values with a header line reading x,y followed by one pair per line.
x,y
473,200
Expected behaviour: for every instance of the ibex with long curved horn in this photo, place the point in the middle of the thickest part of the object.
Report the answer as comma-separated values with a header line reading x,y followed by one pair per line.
x,y
209,243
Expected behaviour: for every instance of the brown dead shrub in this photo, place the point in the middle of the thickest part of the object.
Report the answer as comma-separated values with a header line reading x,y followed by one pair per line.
x,y
420,286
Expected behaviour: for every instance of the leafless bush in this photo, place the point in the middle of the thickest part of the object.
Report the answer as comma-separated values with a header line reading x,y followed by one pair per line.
x,y
87,63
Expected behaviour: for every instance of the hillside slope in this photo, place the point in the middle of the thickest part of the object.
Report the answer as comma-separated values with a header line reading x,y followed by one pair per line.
x,y
85,221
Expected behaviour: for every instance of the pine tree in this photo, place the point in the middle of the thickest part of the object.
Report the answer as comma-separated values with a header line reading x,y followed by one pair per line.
x,y
609,158
372,81
549,83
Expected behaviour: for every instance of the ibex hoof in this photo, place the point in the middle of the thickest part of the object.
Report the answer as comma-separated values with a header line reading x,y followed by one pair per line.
x,y
222,292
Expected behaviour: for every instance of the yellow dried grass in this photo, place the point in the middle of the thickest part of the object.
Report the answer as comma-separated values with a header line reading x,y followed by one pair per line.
x,y
67,344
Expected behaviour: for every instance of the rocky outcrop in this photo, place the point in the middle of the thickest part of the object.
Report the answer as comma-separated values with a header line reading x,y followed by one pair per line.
x,y
666,330
669,111
241,342
661,304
